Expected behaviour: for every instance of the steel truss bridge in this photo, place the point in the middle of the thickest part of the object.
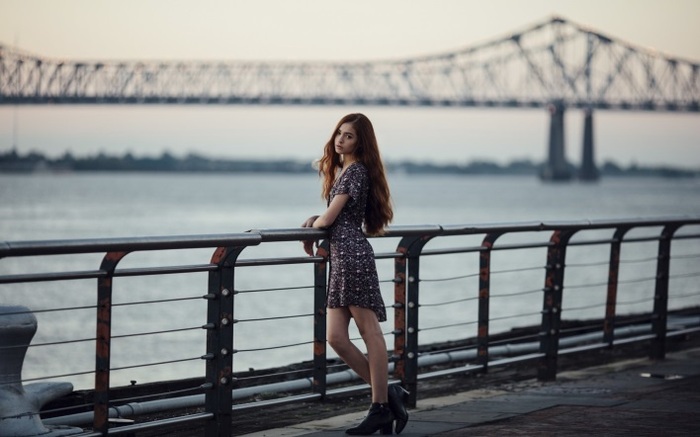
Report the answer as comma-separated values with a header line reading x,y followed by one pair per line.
x,y
556,64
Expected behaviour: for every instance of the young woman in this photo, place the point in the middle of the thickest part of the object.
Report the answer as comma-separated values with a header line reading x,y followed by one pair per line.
x,y
356,190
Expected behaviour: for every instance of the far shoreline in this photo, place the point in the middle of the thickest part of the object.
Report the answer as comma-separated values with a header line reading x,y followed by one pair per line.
x,y
12,162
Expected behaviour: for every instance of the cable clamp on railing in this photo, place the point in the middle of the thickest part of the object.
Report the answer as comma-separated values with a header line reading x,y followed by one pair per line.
x,y
397,305
209,326
397,280
209,296
208,357
207,386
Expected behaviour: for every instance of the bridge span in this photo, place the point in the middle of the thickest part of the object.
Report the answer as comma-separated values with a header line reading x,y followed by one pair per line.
x,y
556,64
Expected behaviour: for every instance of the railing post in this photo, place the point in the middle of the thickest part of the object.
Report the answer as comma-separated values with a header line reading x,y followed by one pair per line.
x,y
399,355
103,341
482,338
660,315
320,284
413,247
613,272
218,396
551,308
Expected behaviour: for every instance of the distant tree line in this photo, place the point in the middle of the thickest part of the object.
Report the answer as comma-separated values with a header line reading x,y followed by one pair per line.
x,y
12,161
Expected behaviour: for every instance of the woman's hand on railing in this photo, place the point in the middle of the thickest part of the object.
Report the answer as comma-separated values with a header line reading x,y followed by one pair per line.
x,y
309,244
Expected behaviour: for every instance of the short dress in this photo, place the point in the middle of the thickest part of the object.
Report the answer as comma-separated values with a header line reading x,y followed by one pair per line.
x,y
353,270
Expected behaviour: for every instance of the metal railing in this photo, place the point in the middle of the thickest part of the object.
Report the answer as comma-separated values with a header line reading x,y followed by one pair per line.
x,y
473,314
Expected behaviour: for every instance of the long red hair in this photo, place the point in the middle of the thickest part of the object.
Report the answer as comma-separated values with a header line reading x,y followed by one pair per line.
x,y
378,212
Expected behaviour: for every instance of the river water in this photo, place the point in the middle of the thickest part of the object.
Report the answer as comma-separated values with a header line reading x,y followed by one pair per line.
x,y
94,205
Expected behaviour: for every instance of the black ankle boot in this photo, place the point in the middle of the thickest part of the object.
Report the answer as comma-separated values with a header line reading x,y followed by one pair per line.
x,y
378,418
398,407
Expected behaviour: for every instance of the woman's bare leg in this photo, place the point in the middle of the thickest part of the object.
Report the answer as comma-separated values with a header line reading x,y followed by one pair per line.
x,y
338,321
376,360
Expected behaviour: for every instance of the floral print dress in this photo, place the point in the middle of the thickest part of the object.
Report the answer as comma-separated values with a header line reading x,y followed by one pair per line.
x,y
353,271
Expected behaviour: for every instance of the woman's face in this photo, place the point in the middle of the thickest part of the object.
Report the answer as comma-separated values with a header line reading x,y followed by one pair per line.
x,y
345,139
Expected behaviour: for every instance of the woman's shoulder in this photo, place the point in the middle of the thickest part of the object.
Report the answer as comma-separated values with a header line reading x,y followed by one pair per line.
x,y
357,168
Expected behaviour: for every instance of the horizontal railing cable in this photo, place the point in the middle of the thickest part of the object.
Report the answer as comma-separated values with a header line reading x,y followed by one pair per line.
x,y
157,363
56,343
515,316
517,293
49,277
686,256
269,348
584,307
262,290
620,281
685,275
451,278
518,270
165,270
641,239
592,242
389,255
49,310
588,264
686,236
259,262
155,301
62,375
164,331
451,325
466,299
639,260
452,251
265,319
589,285
622,302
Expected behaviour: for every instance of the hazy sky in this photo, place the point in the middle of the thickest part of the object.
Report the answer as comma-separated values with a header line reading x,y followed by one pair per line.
x,y
338,30
322,29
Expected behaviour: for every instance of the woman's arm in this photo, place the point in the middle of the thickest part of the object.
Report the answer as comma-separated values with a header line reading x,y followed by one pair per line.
x,y
309,244
324,220
328,217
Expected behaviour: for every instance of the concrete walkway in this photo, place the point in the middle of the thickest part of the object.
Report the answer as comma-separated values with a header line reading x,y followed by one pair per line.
x,y
630,398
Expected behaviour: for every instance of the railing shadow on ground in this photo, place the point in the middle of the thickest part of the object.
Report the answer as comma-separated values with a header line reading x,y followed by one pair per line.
x,y
481,281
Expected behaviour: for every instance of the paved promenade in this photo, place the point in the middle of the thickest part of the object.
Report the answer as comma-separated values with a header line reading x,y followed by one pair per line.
x,y
628,398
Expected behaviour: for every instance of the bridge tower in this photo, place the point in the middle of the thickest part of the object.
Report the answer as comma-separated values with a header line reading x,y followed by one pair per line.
x,y
556,168
588,171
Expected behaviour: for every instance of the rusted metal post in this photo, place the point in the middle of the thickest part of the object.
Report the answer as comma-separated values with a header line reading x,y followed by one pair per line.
x,y
551,308
320,284
103,341
660,315
613,272
400,314
414,246
482,337
218,396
